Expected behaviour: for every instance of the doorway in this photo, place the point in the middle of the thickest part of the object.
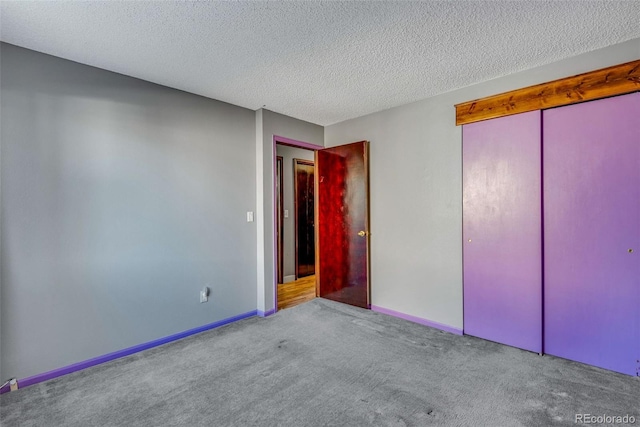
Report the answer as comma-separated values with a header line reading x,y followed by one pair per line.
x,y
295,224
340,224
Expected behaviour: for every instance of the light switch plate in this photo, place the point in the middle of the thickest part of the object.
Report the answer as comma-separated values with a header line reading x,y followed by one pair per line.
x,y
204,294
286,213
249,216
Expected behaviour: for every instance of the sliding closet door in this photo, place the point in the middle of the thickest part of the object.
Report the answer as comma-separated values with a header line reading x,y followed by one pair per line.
x,y
592,232
502,230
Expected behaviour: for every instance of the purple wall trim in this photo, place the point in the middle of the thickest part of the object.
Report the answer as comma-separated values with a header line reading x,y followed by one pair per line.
x,y
25,382
415,319
266,313
293,143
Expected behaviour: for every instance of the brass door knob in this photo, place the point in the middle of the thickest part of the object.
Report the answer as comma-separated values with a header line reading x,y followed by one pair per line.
x,y
362,233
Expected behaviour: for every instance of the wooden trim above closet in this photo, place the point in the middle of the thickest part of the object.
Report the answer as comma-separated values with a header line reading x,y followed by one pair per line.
x,y
611,81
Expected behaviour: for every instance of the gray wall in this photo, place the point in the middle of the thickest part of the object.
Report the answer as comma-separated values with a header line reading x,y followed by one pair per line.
x,y
416,189
120,200
288,154
269,124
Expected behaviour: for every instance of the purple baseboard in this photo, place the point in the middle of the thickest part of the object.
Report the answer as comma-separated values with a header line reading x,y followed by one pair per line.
x,y
25,382
415,319
266,313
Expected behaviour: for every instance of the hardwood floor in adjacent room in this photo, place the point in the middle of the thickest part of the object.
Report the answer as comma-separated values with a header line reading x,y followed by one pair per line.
x,y
296,292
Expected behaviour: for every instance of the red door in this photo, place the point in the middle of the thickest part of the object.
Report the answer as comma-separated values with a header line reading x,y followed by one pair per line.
x,y
343,223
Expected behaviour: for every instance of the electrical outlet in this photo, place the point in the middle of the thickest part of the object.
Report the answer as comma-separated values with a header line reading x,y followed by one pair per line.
x,y
204,294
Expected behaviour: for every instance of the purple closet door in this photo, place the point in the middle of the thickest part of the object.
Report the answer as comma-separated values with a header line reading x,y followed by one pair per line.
x,y
502,230
592,225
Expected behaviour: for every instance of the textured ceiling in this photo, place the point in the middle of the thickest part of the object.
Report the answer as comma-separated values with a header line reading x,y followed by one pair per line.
x,y
320,61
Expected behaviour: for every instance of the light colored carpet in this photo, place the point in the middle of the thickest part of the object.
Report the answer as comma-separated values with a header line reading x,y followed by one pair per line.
x,y
326,364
